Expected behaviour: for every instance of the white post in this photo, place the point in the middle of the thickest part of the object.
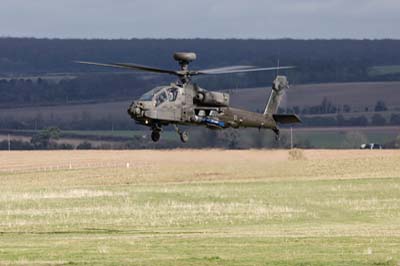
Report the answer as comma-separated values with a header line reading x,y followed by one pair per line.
x,y
291,138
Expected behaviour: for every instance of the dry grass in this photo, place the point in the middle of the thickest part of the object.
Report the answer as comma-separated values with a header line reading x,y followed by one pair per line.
x,y
296,154
72,168
208,207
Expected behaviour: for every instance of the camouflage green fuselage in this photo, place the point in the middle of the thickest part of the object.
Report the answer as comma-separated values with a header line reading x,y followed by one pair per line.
x,y
191,105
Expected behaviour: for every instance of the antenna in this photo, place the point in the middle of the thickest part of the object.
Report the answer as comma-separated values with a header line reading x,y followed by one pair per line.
x,y
278,65
9,142
279,62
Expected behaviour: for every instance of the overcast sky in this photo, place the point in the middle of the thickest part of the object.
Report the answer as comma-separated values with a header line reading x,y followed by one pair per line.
x,y
264,19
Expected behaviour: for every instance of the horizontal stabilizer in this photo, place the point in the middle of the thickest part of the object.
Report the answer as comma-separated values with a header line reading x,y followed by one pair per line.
x,y
286,119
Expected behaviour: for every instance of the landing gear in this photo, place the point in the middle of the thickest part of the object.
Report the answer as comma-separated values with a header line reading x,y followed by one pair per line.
x,y
277,134
155,135
182,134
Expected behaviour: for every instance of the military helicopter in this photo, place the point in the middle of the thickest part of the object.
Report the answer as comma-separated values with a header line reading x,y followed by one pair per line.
x,y
185,103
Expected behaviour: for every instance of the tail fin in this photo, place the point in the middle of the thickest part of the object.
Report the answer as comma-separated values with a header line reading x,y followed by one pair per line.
x,y
278,86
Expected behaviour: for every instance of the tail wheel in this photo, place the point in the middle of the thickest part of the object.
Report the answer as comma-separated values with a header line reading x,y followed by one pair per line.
x,y
155,135
277,134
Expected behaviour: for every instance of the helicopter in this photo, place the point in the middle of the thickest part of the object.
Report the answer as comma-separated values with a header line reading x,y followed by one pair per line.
x,y
185,103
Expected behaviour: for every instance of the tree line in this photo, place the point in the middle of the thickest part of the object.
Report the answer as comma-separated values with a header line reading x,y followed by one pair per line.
x,y
317,60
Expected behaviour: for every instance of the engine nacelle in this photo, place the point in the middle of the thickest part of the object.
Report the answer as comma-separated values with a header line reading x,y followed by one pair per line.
x,y
212,98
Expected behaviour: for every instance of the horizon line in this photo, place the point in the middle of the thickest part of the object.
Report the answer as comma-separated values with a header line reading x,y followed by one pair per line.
x,y
201,38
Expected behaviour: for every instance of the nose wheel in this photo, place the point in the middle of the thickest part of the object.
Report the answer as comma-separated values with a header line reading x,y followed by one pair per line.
x,y
184,136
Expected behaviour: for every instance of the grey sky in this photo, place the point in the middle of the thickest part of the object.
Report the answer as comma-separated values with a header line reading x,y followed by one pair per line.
x,y
201,18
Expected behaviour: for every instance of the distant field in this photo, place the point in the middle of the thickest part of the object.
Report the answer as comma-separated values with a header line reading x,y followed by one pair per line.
x,y
358,95
318,137
384,70
334,137
206,207
108,110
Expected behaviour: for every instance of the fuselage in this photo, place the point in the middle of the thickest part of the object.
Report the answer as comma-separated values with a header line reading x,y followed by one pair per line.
x,y
189,104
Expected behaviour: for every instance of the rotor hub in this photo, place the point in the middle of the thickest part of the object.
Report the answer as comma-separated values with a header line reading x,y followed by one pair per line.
x,y
184,58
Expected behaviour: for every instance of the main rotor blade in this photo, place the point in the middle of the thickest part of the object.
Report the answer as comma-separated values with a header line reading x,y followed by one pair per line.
x,y
226,68
245,70
132,67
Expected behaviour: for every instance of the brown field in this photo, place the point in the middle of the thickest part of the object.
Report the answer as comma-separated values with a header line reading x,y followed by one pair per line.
x,y
209,165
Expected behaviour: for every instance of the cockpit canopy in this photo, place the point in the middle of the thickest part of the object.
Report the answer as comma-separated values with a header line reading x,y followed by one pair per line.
x,y
161,94
148,96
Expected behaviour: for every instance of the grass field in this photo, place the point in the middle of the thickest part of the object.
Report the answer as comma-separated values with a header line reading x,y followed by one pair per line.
x,y
206,207
334,137
384,70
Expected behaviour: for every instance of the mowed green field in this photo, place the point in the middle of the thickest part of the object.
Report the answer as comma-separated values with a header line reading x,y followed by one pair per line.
x,y
206,207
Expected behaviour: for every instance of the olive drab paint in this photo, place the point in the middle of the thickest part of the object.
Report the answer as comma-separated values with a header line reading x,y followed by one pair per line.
x,y
186,103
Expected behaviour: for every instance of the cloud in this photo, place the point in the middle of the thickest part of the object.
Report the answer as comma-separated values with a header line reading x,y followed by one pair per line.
x,y
206,18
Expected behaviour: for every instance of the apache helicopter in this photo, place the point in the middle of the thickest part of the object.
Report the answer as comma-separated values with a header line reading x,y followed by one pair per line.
x,y
185,103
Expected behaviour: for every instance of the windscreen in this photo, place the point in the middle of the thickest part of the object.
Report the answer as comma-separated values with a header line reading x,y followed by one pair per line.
x,y
148,96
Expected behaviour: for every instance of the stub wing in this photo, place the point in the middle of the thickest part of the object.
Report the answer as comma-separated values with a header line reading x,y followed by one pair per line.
x,y
286,119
